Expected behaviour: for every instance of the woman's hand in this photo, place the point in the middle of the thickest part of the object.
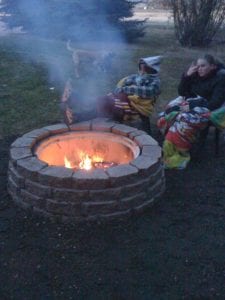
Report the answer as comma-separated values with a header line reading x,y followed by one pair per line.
x,y
192,69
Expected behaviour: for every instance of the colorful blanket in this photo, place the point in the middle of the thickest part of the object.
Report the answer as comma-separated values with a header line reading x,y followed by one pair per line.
x,y
181,123
140,97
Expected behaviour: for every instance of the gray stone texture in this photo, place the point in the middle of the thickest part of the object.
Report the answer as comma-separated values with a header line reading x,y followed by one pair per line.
x,y
63,194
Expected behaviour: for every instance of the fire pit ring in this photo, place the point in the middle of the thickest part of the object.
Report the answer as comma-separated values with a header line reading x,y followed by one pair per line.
x,y
75,195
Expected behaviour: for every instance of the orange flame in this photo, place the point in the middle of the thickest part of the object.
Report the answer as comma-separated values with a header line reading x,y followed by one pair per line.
x,y
97,159
67,163
86,162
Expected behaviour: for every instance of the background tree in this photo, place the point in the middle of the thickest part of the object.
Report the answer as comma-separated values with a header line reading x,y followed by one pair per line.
x,y
158,4
74,19
197,21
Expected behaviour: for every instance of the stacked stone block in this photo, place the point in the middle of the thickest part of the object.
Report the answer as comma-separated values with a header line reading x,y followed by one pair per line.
x,y
75,196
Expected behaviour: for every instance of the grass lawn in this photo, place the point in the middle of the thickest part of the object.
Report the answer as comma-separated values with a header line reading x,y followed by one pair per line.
x,y
33,73
173,251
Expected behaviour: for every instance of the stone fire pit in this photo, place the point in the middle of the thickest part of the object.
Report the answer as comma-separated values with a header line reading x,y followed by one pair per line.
x,y
125,183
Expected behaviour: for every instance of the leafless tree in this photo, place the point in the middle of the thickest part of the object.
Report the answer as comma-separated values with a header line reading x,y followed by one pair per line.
x,y
197,21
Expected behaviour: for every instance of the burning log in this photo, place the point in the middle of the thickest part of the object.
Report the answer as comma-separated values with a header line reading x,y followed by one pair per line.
x,y
104,165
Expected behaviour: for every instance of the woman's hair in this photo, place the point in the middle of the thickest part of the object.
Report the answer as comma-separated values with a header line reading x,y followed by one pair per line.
x,y
213,61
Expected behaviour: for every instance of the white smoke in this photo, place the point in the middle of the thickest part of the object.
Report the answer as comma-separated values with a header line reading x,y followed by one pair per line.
x,y
53,52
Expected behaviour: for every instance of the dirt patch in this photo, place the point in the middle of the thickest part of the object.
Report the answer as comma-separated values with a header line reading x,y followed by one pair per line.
x,y
173,251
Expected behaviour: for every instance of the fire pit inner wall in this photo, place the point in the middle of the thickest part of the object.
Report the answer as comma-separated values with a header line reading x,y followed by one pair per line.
x,y
107,147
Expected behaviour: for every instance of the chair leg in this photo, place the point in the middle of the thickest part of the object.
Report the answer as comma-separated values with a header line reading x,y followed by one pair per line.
x,y
202,138
217,140
204,134
199,145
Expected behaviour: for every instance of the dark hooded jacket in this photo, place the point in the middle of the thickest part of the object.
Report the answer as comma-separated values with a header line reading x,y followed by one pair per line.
x,y
212,88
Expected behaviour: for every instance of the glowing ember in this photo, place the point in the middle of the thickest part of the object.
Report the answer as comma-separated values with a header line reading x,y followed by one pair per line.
x,y
104,165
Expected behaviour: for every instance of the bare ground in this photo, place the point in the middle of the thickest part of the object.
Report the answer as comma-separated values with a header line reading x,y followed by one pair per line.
x,y
175,250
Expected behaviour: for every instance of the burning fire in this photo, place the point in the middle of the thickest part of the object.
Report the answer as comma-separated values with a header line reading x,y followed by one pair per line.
x,y
67,163
87,162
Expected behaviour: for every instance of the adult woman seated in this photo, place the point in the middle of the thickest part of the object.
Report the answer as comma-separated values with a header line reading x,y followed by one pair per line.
x,y
202,94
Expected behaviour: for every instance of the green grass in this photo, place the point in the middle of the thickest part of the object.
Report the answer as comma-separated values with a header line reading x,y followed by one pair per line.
x,y
27,100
